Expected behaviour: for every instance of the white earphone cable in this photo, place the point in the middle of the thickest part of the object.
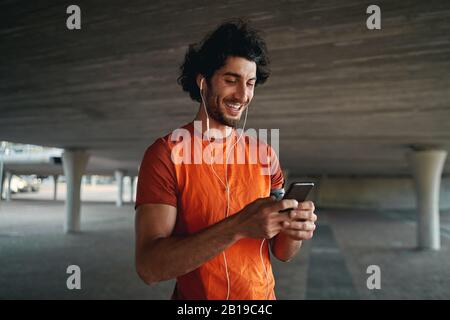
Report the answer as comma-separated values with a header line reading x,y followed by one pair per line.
x,y
227,189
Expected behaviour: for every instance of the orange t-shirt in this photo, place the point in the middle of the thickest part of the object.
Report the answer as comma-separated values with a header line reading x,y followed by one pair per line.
x,y
176,170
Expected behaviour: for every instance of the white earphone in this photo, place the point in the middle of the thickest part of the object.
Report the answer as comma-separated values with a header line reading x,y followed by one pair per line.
x,y
204,104
227,189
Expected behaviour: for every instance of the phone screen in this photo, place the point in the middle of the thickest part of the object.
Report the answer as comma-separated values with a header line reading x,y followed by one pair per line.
x,y
298,191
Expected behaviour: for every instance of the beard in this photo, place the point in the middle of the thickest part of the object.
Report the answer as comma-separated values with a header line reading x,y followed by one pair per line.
x,y
215,112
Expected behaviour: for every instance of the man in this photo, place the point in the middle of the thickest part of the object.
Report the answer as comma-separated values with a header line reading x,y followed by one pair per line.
x,y
206,223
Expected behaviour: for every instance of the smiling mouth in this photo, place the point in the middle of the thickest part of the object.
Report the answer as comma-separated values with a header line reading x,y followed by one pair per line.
x,y
233,108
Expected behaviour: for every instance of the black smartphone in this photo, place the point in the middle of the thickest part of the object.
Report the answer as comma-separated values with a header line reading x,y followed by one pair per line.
x,y
297,190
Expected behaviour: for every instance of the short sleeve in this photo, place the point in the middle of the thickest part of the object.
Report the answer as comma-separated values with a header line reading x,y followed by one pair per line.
x,y
157,179
276,174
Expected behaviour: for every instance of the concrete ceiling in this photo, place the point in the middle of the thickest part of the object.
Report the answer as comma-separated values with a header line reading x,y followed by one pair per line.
x,y
347,100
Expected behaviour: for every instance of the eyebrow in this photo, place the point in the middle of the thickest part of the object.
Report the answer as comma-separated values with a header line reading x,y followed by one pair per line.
x,y
237,75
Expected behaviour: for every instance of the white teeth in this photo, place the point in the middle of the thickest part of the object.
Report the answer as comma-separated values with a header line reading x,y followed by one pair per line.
x,y
234,106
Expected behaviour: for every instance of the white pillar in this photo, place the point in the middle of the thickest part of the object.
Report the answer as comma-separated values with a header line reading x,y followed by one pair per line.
x,y
427,168
55,186
74,163
119,180
1,179
8,178
132,182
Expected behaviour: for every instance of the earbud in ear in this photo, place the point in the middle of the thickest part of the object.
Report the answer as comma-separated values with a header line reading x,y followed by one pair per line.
x,y
201,84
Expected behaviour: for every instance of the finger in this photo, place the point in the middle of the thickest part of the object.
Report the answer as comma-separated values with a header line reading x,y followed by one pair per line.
x,y
306,205
280,218
292,214
302,226
279,226
302,215
286,224
284,204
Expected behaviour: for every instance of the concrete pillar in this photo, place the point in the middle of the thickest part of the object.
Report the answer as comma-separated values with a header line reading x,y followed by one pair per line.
x,y
119,180
427,168
74,163
1,179
8,178
132,183
55,186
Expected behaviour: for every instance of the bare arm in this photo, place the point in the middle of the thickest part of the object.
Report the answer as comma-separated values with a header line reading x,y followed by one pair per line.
x,y
162,256
284,248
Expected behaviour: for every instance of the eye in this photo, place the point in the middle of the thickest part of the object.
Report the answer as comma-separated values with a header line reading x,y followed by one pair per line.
x,y
231,81
251,84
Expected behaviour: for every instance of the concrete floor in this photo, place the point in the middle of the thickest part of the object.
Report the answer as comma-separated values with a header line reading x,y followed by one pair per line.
x,y
34,255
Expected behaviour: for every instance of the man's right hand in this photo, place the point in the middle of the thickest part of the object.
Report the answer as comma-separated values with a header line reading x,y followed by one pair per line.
x,y
261,218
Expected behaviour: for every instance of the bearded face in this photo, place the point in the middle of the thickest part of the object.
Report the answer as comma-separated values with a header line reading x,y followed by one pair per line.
x,y
230,90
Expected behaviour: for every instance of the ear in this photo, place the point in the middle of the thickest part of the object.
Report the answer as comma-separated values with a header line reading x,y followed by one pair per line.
x,y
199,79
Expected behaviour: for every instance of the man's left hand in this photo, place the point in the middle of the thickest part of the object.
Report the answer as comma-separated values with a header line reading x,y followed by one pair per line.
x,y
302,222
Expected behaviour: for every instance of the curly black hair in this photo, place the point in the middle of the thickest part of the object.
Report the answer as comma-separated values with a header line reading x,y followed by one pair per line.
x,y
232,38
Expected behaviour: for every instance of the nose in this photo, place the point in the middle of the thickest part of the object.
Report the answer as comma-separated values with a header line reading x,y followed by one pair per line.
x,y
242,93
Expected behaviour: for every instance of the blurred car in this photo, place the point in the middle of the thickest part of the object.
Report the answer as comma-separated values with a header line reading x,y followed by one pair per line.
x,y
25,184
33,183
18,184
